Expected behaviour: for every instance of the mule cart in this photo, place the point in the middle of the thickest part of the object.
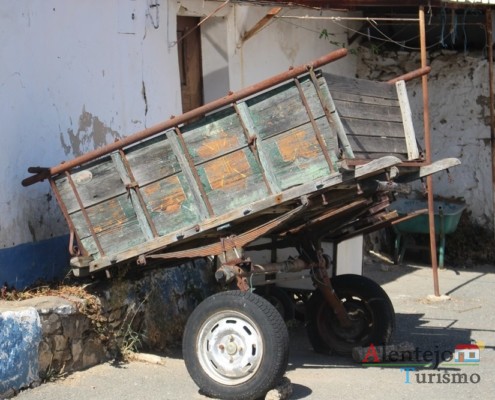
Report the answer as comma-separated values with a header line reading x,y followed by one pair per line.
x,y
299,158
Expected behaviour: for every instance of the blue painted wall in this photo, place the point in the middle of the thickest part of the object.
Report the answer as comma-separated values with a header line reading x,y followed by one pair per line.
x,y
20,335
30,263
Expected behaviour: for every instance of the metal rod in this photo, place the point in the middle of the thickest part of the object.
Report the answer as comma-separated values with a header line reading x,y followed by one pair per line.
x,y
84,213
489,34
411,75
316,130
181,119
429,180
348,18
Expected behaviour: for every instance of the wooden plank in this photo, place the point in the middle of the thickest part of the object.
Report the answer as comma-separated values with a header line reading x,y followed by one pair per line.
x,y
370,144
252,131
281,109
218,134
141,212
331,114
347,109
410,136
204,208
361,87
152,160
171,203
361,99
95,183
330,156
232,181
372,167
427,170
374,156
366,127
296,156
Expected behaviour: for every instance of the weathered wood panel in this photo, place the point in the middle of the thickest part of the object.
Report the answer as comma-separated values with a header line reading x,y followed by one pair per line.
x,y
217,134
232,181
363,127
296,156
376,112
276,111
171,204
360,87
95,183
115,225
371,147
361,99
152,160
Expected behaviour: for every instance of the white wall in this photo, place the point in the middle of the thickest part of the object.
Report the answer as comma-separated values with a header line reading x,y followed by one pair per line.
x,y
282,43
72,78
459,118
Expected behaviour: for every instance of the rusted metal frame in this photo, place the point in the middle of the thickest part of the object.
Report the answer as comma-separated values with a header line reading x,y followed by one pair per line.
x,y
332,116
325,216
417,73
194,171
322,281
68,219
84,213
251,140
188,116
318,135
133,185
429,179
233,242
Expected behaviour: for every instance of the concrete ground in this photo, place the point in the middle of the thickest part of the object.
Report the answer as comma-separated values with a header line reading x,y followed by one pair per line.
x,y
429,325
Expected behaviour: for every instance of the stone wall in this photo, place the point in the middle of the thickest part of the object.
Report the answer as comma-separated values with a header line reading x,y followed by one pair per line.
x,y
459,118
44,337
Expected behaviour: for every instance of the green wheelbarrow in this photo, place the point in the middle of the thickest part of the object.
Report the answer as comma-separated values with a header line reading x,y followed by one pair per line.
x,y
447,216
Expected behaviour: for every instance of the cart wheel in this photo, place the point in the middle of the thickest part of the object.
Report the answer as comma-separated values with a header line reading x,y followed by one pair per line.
x,y
280,299
368,306
235,346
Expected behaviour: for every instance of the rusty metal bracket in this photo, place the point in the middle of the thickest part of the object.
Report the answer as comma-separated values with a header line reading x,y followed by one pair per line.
x,y
323,283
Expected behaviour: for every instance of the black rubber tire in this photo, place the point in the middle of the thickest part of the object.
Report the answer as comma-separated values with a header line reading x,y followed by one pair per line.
x,y
280,299
239,318
374,312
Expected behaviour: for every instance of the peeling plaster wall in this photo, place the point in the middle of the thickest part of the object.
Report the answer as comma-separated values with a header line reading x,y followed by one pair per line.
x,y
459,117
74,76
284,43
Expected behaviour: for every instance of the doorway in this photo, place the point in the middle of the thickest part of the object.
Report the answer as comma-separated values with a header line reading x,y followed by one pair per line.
x,y
189,52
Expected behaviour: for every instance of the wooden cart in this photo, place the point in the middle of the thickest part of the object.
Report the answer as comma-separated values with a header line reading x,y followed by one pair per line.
x,y
299,158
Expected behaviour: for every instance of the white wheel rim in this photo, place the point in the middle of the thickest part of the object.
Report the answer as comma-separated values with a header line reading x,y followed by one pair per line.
x,y
230,348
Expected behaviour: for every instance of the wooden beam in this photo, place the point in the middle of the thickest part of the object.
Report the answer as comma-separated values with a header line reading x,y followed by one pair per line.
x,y
261,24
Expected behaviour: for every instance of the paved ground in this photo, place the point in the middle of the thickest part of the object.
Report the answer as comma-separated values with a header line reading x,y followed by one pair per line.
x,y
435,326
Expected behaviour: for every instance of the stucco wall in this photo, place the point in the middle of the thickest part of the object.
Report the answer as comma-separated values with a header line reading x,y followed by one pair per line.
x,y
459,117
74,76
77,75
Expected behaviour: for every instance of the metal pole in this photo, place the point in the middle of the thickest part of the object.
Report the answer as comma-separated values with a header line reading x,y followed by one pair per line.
x,y
44,173
489,34
429,180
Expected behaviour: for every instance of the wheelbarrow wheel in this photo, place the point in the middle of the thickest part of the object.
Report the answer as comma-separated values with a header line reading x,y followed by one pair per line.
x,y
369,308
235,346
